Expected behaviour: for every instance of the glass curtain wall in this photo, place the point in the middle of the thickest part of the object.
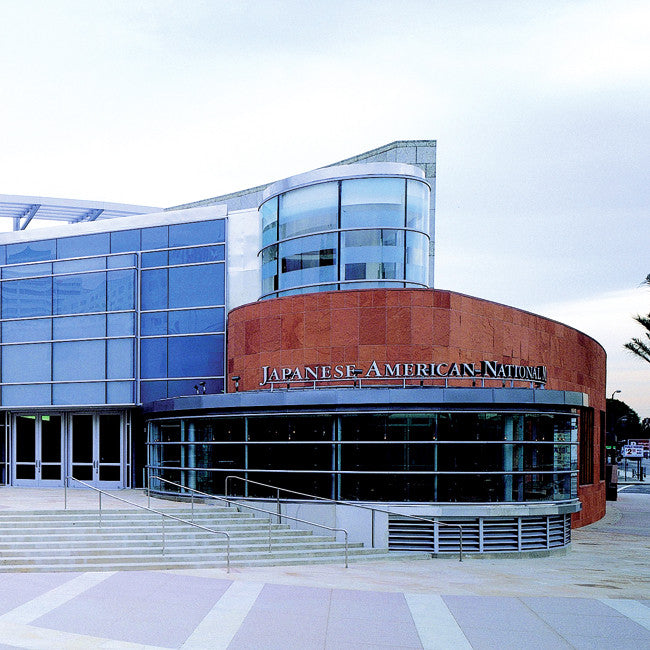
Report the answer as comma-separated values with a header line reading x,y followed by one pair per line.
x,y
421,457
347,234
71,310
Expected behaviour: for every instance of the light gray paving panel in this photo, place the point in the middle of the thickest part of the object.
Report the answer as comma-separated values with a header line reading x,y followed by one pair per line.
x,y
375,618
139,607
546,607
377,632
347,603
575,627
19,588
285,617
499,622
262,629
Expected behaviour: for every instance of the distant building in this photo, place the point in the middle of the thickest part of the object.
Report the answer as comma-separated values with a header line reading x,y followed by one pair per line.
x,y
290,334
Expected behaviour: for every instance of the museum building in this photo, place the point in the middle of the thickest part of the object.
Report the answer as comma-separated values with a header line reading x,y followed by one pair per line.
x,y
291,335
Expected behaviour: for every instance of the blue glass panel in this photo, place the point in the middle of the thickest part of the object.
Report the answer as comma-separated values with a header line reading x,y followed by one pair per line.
x,y
73,266
153,238
159,258
119,359
154,289
308,260
80,327
153,358
417,205
120,325
195,286
152,390
3,254
196,356
199,232
269,215
79,360
79,393
26,362
195,320
83,245
21,298
33,251
26,271
186,387
123,241
121,290
35,395
153,323
373,202
417,257
120,392
195,255
309,209
270,269
372,255
27,330
120,261
75,294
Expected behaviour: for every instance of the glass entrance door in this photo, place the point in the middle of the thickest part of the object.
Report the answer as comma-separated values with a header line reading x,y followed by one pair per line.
x,y
38,450
96,449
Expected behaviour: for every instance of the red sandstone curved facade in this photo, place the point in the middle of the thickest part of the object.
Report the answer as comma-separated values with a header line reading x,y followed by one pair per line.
x,y
394,325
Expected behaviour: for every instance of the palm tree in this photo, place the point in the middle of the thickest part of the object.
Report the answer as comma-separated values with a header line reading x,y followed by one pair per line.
x,y
640,346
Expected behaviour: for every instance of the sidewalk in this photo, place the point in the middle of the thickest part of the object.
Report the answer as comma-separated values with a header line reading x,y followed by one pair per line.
x,y
596,595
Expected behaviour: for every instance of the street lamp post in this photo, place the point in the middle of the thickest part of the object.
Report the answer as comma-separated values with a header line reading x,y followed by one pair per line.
x,y
614,393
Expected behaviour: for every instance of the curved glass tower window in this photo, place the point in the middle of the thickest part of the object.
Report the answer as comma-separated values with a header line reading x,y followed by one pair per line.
x,y
347,227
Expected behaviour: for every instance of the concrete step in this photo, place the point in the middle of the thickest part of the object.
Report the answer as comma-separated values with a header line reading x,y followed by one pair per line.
x,y
191,535
68,546
131,539
171,519
220,563
217,558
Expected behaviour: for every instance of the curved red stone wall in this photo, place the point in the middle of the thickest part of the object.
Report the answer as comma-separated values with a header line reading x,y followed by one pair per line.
x,y
398,325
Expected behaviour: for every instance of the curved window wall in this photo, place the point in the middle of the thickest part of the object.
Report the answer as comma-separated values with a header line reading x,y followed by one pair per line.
x,y
416,457
346,234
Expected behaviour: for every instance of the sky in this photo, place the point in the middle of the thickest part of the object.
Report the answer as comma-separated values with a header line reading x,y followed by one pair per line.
x,y
540,109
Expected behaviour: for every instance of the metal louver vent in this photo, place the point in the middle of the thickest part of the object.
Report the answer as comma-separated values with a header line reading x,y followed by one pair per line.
x,y
480,534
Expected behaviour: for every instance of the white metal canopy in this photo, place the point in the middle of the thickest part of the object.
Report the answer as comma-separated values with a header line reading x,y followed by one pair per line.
x,y
22,210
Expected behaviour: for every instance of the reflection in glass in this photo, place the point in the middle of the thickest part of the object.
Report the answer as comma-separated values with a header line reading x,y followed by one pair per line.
x,y
309,209
373,202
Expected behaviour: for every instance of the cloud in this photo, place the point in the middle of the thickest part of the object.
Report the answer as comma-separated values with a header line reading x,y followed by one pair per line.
x,y
608,319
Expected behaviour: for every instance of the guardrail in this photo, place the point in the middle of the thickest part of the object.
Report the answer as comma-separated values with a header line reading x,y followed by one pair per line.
x,y
373,509
148,509
254,508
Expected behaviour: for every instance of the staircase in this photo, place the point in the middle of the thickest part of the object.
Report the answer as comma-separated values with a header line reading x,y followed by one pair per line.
x,y
72,540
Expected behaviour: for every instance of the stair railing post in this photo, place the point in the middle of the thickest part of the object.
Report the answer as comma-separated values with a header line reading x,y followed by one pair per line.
x,y
148,487
65,493
228,554
192,507
346,548
269,534
100,509
162,520
278,507
460,554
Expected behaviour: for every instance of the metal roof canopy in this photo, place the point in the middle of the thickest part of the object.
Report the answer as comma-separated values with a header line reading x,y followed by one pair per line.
x,y
24,209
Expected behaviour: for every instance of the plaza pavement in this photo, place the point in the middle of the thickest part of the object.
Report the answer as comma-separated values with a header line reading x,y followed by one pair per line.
x,y
597,595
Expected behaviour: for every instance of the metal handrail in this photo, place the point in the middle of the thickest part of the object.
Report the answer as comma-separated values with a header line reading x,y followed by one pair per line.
x,y
245,505
157,512
349,503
